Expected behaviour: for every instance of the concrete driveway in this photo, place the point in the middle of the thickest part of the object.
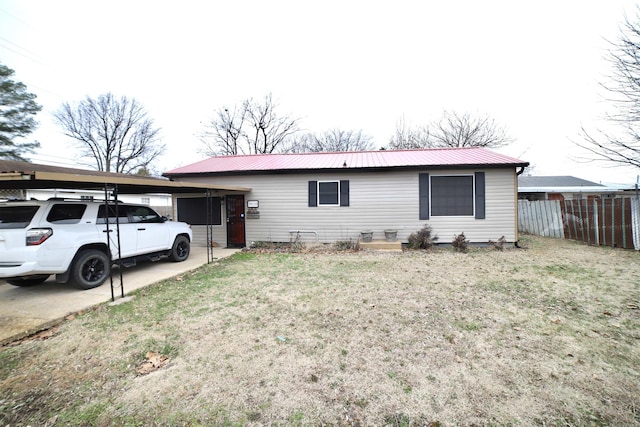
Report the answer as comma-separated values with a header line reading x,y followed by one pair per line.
x,y
24,311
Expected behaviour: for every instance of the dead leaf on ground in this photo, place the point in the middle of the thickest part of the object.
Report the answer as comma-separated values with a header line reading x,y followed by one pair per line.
x,y
153,362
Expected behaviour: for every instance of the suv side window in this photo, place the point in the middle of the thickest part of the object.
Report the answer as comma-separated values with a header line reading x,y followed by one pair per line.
x,y
122,214
66,213
143,214
16,216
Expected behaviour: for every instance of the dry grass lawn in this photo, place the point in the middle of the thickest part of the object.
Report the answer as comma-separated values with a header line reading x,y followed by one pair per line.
x,y
544,336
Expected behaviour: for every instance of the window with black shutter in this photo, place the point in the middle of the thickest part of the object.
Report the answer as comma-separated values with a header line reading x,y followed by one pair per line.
x,y
452,195
328,193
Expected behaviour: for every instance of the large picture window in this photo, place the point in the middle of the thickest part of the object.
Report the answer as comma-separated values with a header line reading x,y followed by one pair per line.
x,y
452,195
194,210
328,193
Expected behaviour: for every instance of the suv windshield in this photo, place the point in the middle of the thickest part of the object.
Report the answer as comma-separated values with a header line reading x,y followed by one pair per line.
x,y
16,216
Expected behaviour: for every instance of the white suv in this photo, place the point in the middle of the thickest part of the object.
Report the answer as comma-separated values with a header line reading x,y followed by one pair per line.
x,y
69,239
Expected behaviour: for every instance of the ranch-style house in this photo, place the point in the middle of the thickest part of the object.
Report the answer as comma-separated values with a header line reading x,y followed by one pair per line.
x,y
329,197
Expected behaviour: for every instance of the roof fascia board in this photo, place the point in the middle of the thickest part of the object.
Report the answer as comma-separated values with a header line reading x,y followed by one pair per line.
x,y
55,176
150,182
15,176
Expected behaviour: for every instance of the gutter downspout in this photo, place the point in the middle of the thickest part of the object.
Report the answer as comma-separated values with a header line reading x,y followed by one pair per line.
x,y
518,173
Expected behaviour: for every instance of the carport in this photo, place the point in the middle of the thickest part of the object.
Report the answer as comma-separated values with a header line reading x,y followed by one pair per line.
x,y
25,176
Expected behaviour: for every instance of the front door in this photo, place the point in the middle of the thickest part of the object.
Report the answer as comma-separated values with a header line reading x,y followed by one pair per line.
x,y
235,221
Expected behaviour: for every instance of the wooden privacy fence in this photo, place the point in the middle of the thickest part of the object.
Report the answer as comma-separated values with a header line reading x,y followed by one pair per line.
x,y
596,221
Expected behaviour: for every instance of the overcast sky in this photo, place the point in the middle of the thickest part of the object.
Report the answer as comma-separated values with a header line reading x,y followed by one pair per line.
x,y
533,66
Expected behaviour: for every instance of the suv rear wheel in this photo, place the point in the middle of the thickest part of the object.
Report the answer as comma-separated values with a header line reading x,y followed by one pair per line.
x,y
180,249
91,269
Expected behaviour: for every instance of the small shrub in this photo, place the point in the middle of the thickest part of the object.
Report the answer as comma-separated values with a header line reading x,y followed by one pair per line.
x,y
261,246
345,245
422,239
297,246
498,245
460,243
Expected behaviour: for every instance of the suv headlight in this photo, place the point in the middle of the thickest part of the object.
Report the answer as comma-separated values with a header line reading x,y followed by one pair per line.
x,y
37,236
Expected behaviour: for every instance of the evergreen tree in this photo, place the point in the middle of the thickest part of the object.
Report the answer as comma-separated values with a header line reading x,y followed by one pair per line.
x,y
17,108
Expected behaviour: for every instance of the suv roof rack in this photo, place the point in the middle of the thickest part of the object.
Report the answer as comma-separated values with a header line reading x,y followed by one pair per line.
x,y
15,199
72,199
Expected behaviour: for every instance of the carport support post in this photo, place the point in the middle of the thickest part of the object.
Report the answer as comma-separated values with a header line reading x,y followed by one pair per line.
x,y
209,226
115,197
107,212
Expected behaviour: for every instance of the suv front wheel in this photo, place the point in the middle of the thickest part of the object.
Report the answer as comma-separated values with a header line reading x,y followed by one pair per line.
x,y
91,269
180,249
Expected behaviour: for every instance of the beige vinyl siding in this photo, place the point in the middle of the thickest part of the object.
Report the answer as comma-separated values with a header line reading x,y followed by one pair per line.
x,y
377,201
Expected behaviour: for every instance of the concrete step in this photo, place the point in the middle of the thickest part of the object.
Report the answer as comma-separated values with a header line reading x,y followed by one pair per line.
x,y
382,245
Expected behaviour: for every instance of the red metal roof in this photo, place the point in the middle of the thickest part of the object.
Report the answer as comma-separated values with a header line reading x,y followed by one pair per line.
x,y
438,157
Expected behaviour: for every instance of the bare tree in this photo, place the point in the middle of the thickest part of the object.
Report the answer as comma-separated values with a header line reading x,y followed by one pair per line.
x,y
452,130
622,146
467,130
332,140
224,134
252,128
115,132
408,138
270,130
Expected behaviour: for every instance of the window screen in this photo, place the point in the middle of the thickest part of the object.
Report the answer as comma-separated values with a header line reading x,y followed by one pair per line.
x,y
194,210
452,195
328,193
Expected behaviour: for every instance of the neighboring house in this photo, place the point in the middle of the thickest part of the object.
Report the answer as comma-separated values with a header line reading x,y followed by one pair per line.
x,y
335,196
562,187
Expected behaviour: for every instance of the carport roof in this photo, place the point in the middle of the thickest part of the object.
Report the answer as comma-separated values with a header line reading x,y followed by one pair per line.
x,y
26,176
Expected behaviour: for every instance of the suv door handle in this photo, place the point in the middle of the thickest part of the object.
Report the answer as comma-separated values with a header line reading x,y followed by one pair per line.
x,y
141,229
